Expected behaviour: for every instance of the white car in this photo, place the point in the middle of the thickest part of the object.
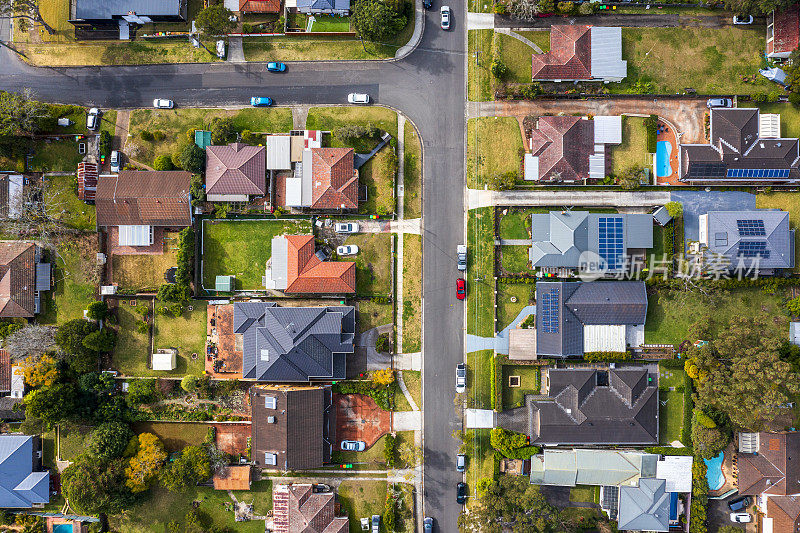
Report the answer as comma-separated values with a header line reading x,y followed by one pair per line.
x,y
741,518
358,98
461,377
221,49
353,445
163,103
346,227
93,119
743,19
115,160
347,249
445,13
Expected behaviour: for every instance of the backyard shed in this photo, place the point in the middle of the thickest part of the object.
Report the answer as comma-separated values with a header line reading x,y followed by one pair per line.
x,y
794,333
224,283
165,359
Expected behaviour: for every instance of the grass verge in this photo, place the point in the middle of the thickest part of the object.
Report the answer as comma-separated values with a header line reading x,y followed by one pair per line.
x,y
480,272
412,293
412,174
479,73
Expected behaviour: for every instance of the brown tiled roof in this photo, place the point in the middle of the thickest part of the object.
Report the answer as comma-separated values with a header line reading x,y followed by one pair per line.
x,y
334,180
297,509
260,6
152,198
307,273
775,469
570,55
5,371
233,478
17,279
785,513
563,145
236,169
786,30
87,181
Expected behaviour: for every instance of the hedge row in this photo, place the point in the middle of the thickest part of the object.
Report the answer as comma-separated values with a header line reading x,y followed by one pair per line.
x,y
608,356
651,127
688,407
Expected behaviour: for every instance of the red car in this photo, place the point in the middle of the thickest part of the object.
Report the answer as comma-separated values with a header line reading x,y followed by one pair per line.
x,y
461,288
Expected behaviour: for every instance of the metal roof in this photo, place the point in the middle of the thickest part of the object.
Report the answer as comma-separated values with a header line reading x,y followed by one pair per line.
x,y
725,235
662,216
137,235
607,62
589,467
279,262
279,152
607,128
20,487
106,9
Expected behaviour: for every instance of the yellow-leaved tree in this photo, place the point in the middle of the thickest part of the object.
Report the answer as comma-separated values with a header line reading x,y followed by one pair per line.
x,y
145,465
41,372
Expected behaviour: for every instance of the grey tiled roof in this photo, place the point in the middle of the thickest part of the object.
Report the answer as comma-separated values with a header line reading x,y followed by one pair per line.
x,y
644,507
724,237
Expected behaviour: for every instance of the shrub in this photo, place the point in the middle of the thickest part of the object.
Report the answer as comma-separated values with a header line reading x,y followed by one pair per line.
x,y
169,292
675,209
105,143
146,136
794,99
189,383
511,444
159,135
197,190
247,28
586,8
390,447
142,327
383,377
141,391
546,6
97,310
503,182
384,343
499,69
608,356
383,396
191,158
221,210
389,512
567,8
163,162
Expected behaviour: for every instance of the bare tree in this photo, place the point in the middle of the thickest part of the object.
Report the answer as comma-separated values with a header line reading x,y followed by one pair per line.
x,y
27,11
523,9
31,341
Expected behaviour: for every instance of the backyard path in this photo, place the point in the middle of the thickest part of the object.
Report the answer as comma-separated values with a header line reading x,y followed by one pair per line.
x,y
517,36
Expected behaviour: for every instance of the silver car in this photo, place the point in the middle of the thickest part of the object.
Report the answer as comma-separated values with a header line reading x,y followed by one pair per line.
x,y
163,103
93,119
115,161
353,445
346,227
347,249
461,377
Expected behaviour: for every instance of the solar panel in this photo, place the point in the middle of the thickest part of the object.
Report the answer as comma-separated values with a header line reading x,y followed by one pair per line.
x,y
550,308
753,249
751,228
610,241
707,170
757,173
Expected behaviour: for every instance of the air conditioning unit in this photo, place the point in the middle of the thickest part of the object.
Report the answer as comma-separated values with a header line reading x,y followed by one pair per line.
x,y
270,419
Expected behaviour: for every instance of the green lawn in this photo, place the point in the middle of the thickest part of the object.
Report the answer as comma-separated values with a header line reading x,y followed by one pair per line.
x,y
62,191
259,496
412,174
670,378
507,310
584,493
479,378
709,60
370,459
413,381
516,223
790,117
480,6
108,121
324,23
361,498
241,248
131,353
479,86
633,150
657,251
515,258
55,156
138,273
516,56
187,333
378,175
372,314
373,263
671,313
480,272
310,47
139,52
786,202
75,278
412,293
330,118
497,150
529,384
670,416
175,435
480,458
72,440
541,38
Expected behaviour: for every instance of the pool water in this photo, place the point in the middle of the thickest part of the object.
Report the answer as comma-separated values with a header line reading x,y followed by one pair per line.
x,y
62,528
714,472
663,153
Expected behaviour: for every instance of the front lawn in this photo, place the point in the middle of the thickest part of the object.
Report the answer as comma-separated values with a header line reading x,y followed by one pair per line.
x,y
516,56
132,351
540,38
139,52
71,441
785,201
528,384
670,416
495,151
515,258
412,174
175,435
373,263
372,314
241,248
479,371
62,191
516,224
480,272
479,65
75,276
378,175
370,459
187,333
144,272
361,498
413,381
632,152
511,299
331,118
330,23
310,47
56,155
412,293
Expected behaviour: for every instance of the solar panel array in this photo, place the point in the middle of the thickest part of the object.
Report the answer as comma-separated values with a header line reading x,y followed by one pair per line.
x,y
549,310
751,228
758,173
707,170
753,249
611,241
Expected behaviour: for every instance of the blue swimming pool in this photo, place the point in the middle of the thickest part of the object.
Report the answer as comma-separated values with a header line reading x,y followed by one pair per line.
x,y
714,472
62,528
663,153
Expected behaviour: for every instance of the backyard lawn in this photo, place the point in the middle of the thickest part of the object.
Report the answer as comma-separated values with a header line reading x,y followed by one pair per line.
x,y
187,333
373,263
671,313
324,23
412,174
515,258
497,150
175,435
61,190
670,416
511,299
539,37
241,248
361,498
479,369
786,202
55,155
585,493
529,384
71,441
144,272
75,277
372,314
412,293
670,378
516,56
632,153
479,86
480,272
132,351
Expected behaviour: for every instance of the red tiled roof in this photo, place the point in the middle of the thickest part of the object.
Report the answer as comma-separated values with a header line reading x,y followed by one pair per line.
x,y
5,371
334,180
87,181
563,145
152,198
260,6
306,273
786,30
17,279
570,55
297,508
236,169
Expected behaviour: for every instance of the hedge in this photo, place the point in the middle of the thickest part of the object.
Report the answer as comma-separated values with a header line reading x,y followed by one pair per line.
x,y
651,125
608,356
668,450
383,396
688,407
698,510
497,383
389,448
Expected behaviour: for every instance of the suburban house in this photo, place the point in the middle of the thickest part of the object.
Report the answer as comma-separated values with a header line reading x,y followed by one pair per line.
x,y
570,240
294,344
235,172
322,7
254,6
12,188
12,388
582,53
588,406
645,507
294,428
24,275
297,507
295,268
326,179
87,181
760,240
570,148
136,208
573,318
746,148
23,484
101,19
783,32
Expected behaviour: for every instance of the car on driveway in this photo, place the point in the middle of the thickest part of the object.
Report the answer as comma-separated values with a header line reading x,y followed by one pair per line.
x,y
461,288
93,119
737,504
741,518
221,49
261,101
427,525
346,227
376,523
743,19
115,160
445,14
353,445
347,249
275,66
461,377
719,102
163,103
461,493
358,98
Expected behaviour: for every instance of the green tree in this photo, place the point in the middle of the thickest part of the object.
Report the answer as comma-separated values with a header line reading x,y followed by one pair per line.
x,y
19,112
756,7
70,337
707,442
192,466
675,209
141,391
511,444
223,131
173,292
52,405
109,440
26,12
189,383
375,20
163,162
215,20
793,306
97,310
499,69
503,182
94,486
191,158
100,341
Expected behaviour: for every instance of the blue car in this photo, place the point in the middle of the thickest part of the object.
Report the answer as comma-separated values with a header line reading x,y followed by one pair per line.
x,y
260,101
276,67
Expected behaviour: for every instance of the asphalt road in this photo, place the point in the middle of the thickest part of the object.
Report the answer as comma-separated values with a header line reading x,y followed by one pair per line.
x,y
428,87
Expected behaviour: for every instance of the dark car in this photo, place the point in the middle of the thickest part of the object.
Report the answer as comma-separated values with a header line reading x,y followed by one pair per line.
x,y
461,493
737,504
461,288
427,525
427,3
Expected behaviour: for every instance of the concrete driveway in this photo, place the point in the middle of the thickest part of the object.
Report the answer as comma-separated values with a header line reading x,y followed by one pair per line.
x,y
654,20
696,203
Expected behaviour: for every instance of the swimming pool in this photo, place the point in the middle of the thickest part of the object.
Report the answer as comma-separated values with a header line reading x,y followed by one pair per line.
x,y
714,472
62,528
663,153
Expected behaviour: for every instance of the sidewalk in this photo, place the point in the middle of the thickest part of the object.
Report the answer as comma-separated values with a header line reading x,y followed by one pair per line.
x,y
480,198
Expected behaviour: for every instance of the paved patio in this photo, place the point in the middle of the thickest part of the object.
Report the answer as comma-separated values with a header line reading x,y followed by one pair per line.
x,y
359,418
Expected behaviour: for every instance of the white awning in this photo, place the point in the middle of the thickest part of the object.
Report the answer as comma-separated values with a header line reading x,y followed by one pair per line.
x,y
769,126
135,236
607,129
279,152
531,167
598,338
294,192
597,166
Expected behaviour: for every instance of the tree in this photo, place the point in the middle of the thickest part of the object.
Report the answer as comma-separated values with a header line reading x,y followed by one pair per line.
x,y
586,8
632,178
499,69
31,341
707,441
41,372
70,337
146,464
51,405
793,306
173,292
163,162
20,114
675,209
93,486
222,131
756,7
529,9
503,182
97,310
100,341
141,391
189,383
8,328
191,158
215,20
384,377
409,454
375,20
192,466
109,440
26,11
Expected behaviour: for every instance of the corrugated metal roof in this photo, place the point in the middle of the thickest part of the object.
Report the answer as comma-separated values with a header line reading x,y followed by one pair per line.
x,y
106,9
603,338
43,277
607,62
134,235
531,167
597,166
769,126
279,153
279,262
607,129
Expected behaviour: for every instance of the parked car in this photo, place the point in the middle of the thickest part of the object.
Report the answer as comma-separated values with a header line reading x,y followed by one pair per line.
x,y
163,103
427,3
321,488
741,518
346,227
427,525
376,523
115,160
461,493
261,101
353,445
461,377
221,49
737,504
719,102
743,19
461,288
445,14
461,462
461,253
347,249
358,98
275,66
93,119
